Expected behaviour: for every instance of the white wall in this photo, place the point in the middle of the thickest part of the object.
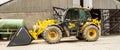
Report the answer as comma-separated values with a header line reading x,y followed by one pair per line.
x,y
76,3
88,3
106,4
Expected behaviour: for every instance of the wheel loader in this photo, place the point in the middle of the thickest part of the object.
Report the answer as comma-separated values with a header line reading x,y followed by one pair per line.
x,y
73,22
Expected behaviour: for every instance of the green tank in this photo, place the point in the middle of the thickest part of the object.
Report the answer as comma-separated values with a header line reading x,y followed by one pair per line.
x,y
11,23
9,26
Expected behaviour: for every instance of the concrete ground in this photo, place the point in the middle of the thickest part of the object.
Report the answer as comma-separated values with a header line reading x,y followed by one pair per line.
x,y
71,43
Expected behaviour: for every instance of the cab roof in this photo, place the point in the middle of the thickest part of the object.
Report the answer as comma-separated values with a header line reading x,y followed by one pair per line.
x,y
86,9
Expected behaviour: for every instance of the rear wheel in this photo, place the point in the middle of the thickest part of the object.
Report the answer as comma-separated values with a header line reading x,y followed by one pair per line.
x,y
52,34
91,33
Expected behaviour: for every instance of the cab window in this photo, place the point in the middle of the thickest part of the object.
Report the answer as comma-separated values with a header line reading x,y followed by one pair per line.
x,y
72,14
83,15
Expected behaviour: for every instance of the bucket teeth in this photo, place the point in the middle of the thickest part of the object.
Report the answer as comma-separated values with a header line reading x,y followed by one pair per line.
x,y
21,37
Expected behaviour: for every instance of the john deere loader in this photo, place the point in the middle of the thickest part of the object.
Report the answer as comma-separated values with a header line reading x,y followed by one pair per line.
x,y
73,22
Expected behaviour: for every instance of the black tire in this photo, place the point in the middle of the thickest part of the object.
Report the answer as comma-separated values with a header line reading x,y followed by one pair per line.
x,y
46,33
0,37
87,35
79,37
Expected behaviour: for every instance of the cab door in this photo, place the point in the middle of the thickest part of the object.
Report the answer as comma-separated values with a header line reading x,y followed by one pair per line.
x,y
72,19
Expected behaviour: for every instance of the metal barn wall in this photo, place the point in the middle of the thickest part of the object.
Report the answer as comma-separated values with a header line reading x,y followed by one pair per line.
x,y
76,3
17,6
31,10
111,22
106,4
115,21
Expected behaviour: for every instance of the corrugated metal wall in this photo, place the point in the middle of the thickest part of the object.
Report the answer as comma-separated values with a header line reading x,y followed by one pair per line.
x,y
106,4
31,10
17,6
76,3
110,21
115,21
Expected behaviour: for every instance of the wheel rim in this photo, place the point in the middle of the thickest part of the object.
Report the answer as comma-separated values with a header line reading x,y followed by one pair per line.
x,y
92,33
53,34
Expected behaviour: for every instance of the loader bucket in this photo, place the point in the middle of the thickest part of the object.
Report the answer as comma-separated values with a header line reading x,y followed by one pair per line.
x,y
21,37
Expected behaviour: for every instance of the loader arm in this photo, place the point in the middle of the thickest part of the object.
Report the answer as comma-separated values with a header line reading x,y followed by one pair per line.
x,y
40,27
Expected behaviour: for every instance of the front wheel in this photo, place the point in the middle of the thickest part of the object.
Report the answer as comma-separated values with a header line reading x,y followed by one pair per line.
x,y
52,34
91,33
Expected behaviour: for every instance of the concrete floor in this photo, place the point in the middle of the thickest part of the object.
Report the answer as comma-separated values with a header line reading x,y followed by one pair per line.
x,y
71,43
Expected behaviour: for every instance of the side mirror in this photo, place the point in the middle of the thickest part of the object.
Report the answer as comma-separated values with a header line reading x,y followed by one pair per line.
x,y
89,19
67,19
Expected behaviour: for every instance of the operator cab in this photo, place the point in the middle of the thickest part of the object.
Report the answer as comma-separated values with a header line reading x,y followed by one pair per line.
x,y
74,18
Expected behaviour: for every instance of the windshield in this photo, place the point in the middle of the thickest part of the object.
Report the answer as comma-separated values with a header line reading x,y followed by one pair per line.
x,y
72,14
84,15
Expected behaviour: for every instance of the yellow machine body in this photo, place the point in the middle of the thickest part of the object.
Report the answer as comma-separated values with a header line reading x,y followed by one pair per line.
x,y
41,26
94,22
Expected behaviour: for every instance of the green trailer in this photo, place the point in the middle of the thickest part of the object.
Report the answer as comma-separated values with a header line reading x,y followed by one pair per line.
x,y
9,26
